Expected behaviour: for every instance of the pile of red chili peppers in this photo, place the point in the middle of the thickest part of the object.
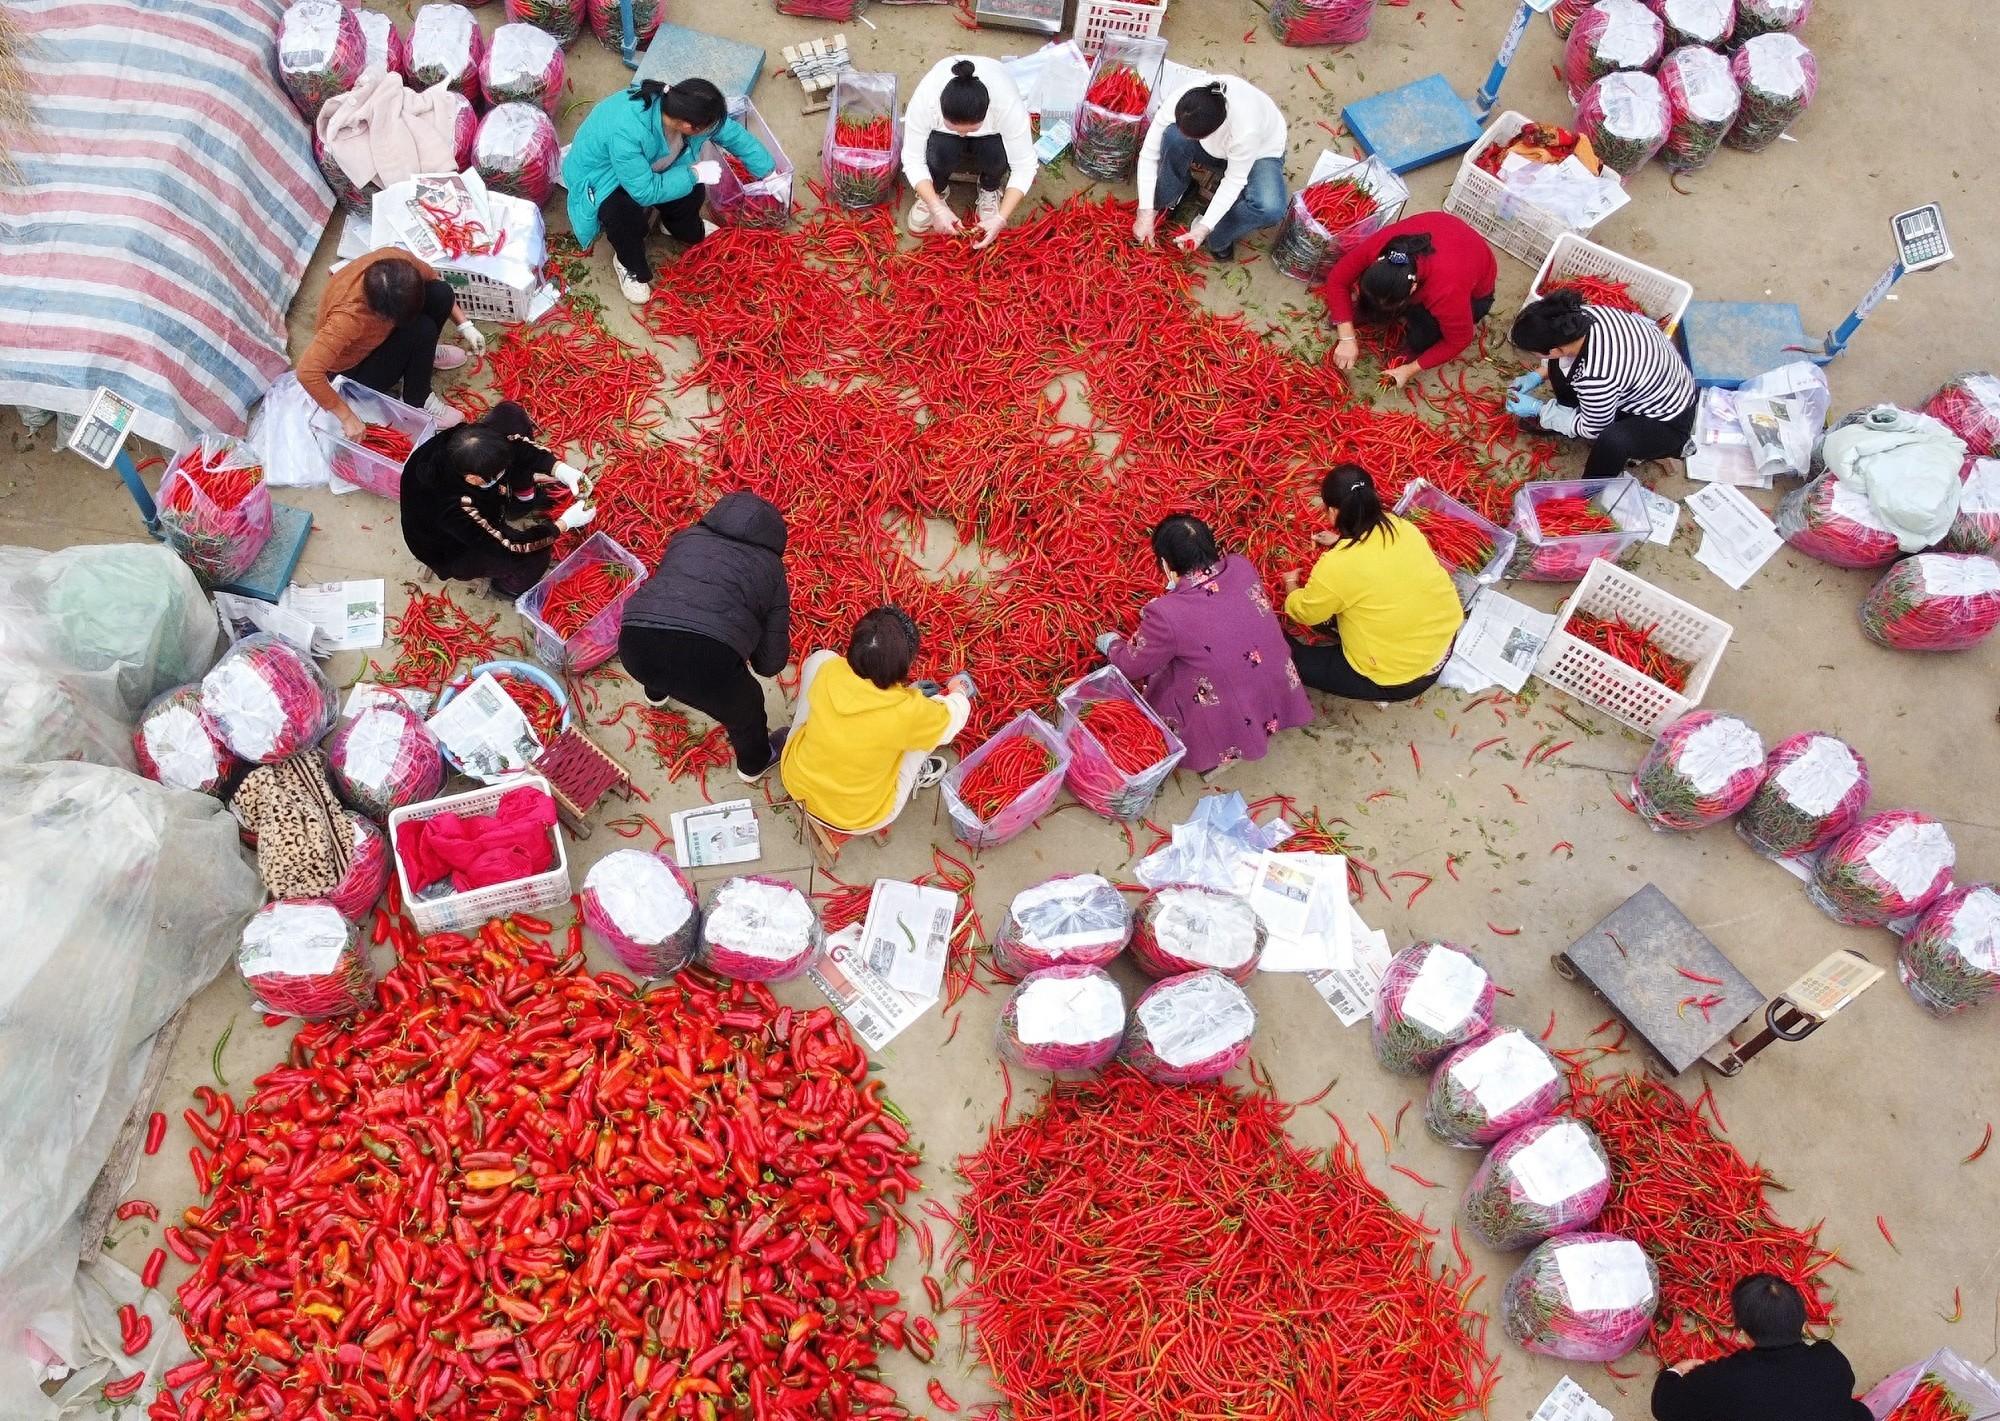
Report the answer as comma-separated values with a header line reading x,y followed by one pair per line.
x,y
543,713
522,1191
1142,1251
1010,769
1597,291
580,596
1571,515
388,441
1127,734
1635,646
1930,1400
1119,88
435,636
1458,544
210,473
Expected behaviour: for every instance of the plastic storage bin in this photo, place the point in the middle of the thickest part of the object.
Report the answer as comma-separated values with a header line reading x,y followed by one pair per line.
x,y
458,912
1664,298
1513,224
1093,776
358,466
756,202
1098,20
596,641
1016,818
1419,494
1567,559
1973,1388
1625,693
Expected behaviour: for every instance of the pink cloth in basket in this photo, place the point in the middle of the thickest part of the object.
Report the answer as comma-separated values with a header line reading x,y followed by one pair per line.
x,y
481,850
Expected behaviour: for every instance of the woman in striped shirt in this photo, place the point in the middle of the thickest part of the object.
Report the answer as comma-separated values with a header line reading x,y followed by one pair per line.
x,y
1615,378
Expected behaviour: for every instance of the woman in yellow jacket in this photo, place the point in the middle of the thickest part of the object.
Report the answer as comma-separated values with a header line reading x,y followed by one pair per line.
x,y
1380,593
862,736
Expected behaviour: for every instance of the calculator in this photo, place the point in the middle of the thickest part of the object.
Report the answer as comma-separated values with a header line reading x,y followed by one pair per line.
x,y
1920,239
100,434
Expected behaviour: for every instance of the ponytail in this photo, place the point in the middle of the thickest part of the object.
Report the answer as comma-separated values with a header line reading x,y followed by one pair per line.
x,y
1348,491
965,98
1201,111
695,102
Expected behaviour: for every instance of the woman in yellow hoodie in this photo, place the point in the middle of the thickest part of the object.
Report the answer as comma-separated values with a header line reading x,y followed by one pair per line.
x,y
1391,604
862,735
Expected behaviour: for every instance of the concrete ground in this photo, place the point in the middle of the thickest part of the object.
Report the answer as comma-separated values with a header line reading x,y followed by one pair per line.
x,y
1869,1117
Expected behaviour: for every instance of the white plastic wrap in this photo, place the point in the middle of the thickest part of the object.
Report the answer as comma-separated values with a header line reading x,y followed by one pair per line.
x,y
758,929
123,899
385,758
1190,1028
305,959
1068,1018
1486,1088
523,64
267,699
1709,22
645,910
174,744
1976,529
445,48
1217,846
1186,927
1906,463
1073,918
383,43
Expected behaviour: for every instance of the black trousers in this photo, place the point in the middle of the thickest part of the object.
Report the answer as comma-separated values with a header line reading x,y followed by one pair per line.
x,y
623,219
1325,668
946,153
1421,329
512,573
1630,437
401,365
705,675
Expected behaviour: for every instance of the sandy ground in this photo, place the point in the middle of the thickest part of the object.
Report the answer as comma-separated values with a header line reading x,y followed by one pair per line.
x,y
1868,1117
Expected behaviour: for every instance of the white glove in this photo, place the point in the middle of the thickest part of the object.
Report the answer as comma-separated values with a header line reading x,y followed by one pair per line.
x,y
575,516
1143,225
470,337
1105,641
708,172
570,478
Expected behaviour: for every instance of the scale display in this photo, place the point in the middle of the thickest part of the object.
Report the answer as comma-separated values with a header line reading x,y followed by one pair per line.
x,y
100,434
1920,238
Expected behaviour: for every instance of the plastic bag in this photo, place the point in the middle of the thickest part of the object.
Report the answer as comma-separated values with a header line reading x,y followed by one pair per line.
x,y
1778,77
267,700
1095,777
1763,17
367,876
1584,1297
321,52
1072,918
1934,602
1969,406
1908,465
1493,1085
1626,118
1702,104
1434,998
215,509
1217,846
1704,767
1310,23
863,144
1186,928
281,436
1833,521
561,18
1976,528
174,744
303,958
1705,22
739,200
609,26
1888,866
1950,958
1815,788
1344,203
123,900
1064,1018
384,49
1564,14
1542,556
383,759
517,152
974,789
127,618
758,929
445,48
523,64
575,611
1112,118
1611,35
1546,1178
645,909
1188,1029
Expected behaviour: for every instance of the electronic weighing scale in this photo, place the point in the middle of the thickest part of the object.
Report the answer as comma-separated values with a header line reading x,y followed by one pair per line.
x,y
1634,961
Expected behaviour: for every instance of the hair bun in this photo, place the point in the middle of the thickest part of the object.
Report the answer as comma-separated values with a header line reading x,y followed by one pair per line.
x,y
1215,87
1567,298
963,69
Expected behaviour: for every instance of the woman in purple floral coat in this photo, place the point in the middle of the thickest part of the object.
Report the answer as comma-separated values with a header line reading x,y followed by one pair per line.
x,y
1210,654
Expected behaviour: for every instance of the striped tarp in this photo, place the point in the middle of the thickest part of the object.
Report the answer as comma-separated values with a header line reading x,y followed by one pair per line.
x,y
167,207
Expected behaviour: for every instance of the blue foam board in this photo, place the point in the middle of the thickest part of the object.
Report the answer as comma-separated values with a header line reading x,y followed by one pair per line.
x,y
1729,342
1411,126
678,53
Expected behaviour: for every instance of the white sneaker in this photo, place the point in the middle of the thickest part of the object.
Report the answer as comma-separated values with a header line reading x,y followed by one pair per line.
x,y
931,771
444,414
449,357
708,228
920,221
989,204
629,286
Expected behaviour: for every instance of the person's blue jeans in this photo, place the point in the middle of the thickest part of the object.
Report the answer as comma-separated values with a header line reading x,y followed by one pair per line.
x,y
1261,204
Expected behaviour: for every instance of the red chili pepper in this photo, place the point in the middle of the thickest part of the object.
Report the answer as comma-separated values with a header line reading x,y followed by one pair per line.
x,y
156,1261
156,1131
124,1386
137,1209
1980,1148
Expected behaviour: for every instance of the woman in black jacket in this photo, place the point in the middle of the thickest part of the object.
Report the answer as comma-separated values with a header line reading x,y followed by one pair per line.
x,y
717,600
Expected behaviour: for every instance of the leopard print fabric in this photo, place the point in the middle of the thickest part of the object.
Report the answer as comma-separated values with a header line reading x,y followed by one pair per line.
x,y
304,836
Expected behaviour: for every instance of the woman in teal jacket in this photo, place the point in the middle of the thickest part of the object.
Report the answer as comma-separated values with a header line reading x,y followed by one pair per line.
x,y
638,150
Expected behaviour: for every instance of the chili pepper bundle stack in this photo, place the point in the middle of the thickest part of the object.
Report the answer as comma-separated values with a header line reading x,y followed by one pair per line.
x,y
1968,404
758,929
1703,768
1071,919
215,508
1119,755
1976,527
1069,1017
1571,515
1321,219
561,18
266,700
842,10
606,23
645,910
446,45
1635,646
741,200
1016,765
1697,1207
384,758
1189,1029
384,48
175,743
570,1192
1626,117
1832,520
1544,1313
1488,1087
1888,866
1005,785
1697,22
1567,524
1611,35
1184,927
1459,545
386,440
1702,103
1764,17
1564,14
860,163
305,959
1930,1400
1310,23
1434,998
1815,787
1597,291
1778,77
435,636
1934,602
523,64
1111,121
1124,1208
1950,958
1545,1178
321,53
1125,733
516,151
368,868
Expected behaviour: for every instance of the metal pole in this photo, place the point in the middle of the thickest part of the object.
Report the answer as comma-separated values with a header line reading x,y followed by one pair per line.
x,y
136,486
1840,335
628,35
1489,92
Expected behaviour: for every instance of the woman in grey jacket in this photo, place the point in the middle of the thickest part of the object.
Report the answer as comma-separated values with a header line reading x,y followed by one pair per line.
x,y
717,601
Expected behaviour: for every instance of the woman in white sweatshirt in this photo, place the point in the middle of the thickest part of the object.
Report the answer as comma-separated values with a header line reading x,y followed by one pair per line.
x,y
966,114
1227,123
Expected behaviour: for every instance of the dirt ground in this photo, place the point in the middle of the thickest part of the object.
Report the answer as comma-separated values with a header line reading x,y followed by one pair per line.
x,y
1871,1115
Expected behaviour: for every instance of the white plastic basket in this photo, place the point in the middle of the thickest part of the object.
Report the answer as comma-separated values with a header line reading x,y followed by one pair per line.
x,y
1664,298
1603,682
357,466
1098,20
1513,224
458,912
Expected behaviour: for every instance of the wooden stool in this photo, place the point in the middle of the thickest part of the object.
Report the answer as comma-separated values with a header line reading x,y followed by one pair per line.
x,y
581,773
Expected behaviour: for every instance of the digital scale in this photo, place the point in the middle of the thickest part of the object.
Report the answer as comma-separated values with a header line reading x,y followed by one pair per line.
x,y
1729,342
1655,970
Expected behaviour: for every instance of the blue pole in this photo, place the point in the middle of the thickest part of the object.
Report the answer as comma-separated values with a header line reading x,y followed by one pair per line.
x,y
628,45
136,486
1489,92
1840,335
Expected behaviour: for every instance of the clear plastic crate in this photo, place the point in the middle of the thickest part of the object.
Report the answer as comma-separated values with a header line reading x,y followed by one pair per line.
x,y
1603,682
1973,1387
354,465
1016,818
758,202
1513,224
1418,493
1093,777
596,641
460,912
1097,20
1664,298
1566,559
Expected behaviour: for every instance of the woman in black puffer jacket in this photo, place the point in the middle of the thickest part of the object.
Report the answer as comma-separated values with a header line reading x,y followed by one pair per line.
x,y
717,600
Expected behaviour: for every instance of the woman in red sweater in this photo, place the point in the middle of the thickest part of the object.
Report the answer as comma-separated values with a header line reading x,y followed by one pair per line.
x,y
1431,271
